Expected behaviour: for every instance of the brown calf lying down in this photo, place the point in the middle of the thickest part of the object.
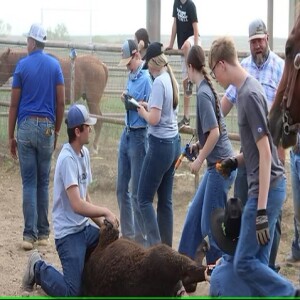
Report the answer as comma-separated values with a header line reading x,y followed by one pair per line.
x,y
120,267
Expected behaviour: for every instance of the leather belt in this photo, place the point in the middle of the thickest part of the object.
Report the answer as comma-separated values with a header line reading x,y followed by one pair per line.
x,y
135,128
41,119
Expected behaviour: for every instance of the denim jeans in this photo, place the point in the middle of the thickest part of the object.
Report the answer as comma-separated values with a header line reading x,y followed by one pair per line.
x,y
132,151
72,251
157,177
251,259
241,191
211,194
35,140
295,179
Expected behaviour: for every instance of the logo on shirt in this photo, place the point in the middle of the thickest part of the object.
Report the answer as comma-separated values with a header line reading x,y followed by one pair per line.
x,y
181,15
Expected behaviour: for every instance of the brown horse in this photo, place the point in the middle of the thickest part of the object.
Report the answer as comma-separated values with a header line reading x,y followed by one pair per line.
x,y
90,80
285,112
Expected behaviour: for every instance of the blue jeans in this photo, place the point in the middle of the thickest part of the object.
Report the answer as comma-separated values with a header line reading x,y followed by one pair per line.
x,y
157,177
132,150
72,251
211,193
295,179
35,148
251,259
241,191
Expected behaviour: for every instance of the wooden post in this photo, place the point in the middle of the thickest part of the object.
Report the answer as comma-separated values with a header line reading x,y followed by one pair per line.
x,y
73,56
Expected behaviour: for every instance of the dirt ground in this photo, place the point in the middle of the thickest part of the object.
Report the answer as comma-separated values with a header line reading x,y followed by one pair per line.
x,y
13,259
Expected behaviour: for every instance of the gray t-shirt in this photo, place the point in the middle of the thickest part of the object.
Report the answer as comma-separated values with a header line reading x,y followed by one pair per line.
x,y
252,111
71,169
207,120
162,98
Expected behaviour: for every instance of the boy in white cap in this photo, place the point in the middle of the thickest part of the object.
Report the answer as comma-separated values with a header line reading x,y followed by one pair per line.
x,y
72,211
37,104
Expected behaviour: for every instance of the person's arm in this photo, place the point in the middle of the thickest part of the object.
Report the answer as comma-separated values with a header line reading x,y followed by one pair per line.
x,y
265,158
12,118
281,154
86,208
210,143
173,35
60,109
99,221
196,33
152,117
226,105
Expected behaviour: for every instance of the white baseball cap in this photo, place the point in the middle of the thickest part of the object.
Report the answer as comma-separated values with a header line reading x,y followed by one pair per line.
x,y
38,33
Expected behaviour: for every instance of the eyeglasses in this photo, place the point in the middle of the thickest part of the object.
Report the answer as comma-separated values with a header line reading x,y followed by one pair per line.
x,y
212,74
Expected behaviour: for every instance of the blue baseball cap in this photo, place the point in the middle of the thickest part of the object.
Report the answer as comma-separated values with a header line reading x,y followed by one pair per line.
x,y
78,115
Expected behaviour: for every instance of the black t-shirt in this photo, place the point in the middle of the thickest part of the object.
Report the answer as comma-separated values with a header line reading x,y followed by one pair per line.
x,y
186,15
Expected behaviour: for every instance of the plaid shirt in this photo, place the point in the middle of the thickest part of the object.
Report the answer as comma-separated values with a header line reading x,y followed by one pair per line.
x,y
268,74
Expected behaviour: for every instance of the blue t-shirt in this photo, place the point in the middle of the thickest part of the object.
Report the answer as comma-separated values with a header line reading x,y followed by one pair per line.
x,y
37,75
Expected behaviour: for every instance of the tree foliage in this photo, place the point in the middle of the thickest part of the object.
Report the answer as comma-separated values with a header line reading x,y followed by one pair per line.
x,y
60,32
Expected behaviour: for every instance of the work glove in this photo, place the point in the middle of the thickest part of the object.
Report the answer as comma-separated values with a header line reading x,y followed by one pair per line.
x,y
226,166
262,227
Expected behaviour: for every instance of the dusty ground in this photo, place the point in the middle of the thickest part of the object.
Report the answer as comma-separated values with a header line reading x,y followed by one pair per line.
x,y
13,259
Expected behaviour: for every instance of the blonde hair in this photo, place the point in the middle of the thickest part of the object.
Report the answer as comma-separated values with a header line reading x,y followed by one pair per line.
x,y
158,63
222,48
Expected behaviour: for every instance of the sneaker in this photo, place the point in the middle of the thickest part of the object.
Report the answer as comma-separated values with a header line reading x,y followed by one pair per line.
x,y
43,242
27,245
290,259
28,280
184,122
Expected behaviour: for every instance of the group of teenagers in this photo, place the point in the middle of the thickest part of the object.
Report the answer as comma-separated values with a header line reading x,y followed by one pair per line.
x,y
149,147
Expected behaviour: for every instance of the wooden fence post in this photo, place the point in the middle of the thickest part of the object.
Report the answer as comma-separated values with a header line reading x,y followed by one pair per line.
x,y
73,56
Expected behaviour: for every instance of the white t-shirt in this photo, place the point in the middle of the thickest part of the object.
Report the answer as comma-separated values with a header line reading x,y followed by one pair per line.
x,y
71,169
162,98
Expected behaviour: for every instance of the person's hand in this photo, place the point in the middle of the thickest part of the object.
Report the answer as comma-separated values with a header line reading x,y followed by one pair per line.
x,y
141,110
56,134
144,104
195,166
112,218
208,271
226,166
262,227
13,148
169,48
123,95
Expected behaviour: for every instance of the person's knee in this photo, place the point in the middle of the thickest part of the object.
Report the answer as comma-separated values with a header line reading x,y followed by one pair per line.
x,y
241,267
186,47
